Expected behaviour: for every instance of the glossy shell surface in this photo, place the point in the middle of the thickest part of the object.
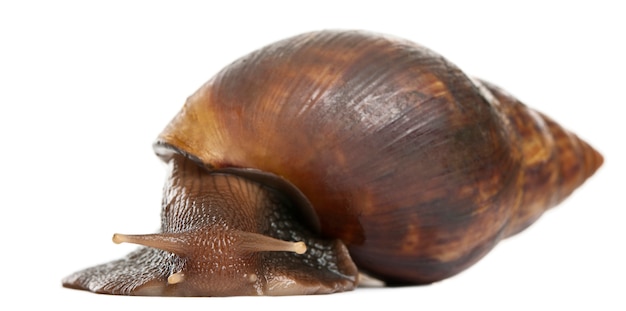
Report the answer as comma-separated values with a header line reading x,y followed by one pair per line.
x,y
417,167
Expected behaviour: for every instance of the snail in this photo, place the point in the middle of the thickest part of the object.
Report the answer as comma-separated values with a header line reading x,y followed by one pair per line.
x,y
322,159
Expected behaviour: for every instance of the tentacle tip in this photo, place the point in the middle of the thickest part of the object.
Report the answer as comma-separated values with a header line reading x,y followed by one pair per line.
x,y
118,238
299,248
176,278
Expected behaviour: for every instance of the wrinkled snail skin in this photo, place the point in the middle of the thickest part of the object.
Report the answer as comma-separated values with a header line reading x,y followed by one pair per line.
x,y
334,150
205,210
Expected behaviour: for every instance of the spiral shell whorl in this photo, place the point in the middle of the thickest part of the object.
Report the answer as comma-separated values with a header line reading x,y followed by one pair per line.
x,y
554,163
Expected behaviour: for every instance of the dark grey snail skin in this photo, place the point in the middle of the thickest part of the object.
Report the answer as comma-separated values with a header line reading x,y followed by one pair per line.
x,y
334,152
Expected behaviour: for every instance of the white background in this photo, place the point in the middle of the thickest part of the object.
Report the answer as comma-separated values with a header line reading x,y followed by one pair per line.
x,y
86,87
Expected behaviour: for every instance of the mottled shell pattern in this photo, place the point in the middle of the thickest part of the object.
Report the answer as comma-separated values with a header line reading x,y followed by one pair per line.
x,y
417,167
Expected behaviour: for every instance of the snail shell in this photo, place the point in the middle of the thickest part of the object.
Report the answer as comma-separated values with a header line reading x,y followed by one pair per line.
x,y
353,150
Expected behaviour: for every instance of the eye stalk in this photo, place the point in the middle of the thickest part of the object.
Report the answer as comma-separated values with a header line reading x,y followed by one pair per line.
x,y
176,242
254,242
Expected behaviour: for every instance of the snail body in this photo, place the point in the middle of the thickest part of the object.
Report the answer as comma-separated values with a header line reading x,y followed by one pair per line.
x,y
334,152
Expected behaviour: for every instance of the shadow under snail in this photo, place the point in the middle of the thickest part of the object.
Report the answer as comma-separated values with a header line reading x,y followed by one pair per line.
x,y
332,153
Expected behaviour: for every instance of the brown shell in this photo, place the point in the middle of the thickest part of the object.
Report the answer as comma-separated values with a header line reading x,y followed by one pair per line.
x,y
418,168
